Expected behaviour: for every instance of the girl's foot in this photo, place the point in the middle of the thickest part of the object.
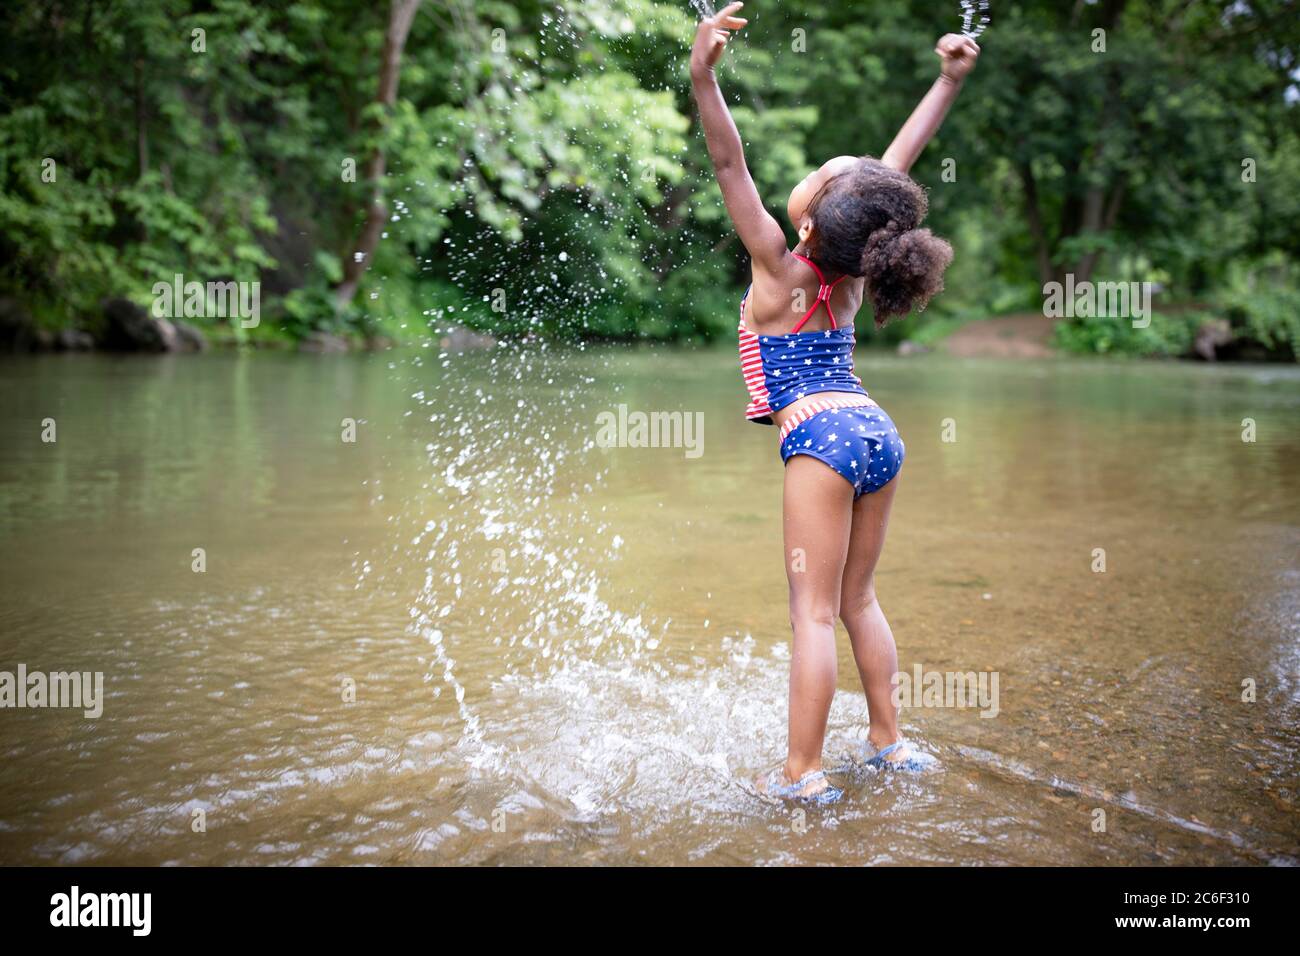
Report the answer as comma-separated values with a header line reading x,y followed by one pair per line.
x,y
897,756
812,787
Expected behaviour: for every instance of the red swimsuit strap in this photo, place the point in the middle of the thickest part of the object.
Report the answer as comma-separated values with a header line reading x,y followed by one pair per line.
x,y
823,294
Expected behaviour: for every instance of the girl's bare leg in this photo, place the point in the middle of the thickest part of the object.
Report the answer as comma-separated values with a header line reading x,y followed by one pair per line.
x,y
869,633
818,512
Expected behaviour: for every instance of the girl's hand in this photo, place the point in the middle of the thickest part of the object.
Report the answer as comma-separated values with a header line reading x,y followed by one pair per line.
x,y
711,38
958,55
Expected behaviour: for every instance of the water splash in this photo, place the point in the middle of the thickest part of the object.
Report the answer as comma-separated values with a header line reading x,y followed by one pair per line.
x,y
970,26
704,9
503,562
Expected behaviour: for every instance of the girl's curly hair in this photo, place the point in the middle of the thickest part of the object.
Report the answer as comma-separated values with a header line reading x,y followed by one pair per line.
x,y
866,223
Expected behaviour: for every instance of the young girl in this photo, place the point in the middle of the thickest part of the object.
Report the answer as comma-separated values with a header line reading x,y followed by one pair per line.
x,y
858,221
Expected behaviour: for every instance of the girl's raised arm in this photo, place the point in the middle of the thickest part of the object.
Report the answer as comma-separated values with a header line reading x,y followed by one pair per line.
x,y
958,54
754,224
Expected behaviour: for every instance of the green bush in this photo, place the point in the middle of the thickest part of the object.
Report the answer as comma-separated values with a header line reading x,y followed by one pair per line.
x,y
1262,303
1168,335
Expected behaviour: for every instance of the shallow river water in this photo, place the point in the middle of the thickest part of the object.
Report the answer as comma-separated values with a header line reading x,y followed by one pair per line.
x,y
473,635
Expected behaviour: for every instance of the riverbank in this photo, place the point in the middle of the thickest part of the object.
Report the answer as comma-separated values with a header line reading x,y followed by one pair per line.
x,y
1192,331
1188,331
124,326
1009,336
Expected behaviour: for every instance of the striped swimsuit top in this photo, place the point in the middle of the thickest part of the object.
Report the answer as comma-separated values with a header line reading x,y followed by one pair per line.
x,y
781,369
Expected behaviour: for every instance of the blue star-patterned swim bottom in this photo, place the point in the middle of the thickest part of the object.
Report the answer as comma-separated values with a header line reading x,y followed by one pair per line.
x,y
860,444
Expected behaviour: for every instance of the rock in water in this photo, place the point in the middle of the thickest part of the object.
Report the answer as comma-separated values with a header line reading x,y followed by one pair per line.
x,y
17,330
458,339
130,328
74,340
323,343
191,339
1211,335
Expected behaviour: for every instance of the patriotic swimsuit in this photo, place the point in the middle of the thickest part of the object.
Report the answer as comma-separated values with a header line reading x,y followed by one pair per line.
x,y
843,428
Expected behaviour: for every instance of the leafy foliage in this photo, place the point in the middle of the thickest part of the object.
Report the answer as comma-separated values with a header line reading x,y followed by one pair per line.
x,y
544,172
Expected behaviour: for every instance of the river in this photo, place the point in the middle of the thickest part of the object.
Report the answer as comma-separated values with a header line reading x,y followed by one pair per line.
x,y
475,635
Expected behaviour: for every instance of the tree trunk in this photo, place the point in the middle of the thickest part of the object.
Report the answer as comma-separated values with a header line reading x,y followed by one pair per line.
x,y
1034,214
141,121
400,17
1100,220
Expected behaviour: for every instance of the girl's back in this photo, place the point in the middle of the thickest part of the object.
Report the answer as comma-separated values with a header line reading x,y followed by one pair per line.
x,y
860,237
